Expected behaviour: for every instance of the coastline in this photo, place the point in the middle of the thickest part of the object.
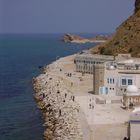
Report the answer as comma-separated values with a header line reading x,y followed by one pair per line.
x,y
87,41
57,104
81,40
89,123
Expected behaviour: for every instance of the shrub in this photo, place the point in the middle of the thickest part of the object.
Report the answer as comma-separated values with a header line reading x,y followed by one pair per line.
x,y
130,50
105,51
102,50
108,51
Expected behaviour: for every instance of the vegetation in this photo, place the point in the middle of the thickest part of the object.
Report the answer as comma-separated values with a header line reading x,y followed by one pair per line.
x,y
126,39
105,51
130,50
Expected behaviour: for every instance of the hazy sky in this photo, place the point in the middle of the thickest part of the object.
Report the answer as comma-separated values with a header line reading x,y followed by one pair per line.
x,y
50,16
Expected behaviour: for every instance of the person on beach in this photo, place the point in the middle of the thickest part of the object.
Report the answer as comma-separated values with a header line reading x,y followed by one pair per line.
x,y
59,112
89,106
71,84
73,98
43,95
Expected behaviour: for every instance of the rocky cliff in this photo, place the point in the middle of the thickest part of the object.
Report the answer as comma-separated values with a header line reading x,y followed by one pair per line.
x,y
126,39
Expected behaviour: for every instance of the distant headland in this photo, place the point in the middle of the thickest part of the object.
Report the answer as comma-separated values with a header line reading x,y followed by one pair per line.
x,y
78,39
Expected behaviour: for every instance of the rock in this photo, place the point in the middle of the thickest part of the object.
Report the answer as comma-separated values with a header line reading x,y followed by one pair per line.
x,y
61,120
70,38
78,39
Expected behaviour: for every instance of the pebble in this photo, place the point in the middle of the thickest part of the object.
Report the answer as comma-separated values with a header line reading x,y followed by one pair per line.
x,y
61,121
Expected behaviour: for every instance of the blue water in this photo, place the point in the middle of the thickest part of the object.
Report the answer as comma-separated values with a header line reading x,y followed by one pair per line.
x,y
20,56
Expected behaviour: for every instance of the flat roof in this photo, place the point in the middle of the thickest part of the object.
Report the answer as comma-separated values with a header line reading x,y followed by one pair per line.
x,y
95,56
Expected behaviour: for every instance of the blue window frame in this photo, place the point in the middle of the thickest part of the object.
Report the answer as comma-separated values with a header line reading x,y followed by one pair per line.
x,y
124,82
113,80
130,82
108,80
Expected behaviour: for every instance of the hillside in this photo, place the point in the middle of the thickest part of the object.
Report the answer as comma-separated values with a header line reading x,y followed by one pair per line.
x,y
126,38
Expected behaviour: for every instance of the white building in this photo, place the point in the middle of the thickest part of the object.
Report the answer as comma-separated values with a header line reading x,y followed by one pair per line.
x,y
85,62
120,74
111,76
132,97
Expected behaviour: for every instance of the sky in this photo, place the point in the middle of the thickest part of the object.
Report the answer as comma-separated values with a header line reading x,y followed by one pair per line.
x,y
60,16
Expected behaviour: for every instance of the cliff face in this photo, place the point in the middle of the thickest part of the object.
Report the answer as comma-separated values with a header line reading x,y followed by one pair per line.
x,y
126,39
137,5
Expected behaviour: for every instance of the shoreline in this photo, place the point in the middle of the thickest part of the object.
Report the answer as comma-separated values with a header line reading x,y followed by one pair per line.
x,y
81,40
87,41
59,110
89,121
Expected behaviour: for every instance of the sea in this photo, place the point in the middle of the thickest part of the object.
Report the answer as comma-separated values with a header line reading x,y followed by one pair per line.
x,y
20,57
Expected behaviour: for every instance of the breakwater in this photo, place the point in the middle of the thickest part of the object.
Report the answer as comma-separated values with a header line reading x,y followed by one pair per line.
x,y
58,106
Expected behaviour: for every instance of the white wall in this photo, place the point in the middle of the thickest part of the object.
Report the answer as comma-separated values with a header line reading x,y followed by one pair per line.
x,y
138,81
135,131
111,74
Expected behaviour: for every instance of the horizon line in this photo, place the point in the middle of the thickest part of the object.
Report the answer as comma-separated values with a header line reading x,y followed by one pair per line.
x,y
56,33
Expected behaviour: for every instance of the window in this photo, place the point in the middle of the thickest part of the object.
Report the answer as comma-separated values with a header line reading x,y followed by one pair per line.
x,y
113,81
130,82
108,80
123,81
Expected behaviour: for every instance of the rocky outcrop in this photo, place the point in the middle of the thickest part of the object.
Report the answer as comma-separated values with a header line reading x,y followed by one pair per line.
x,y
126,39
137,5
70,38
60,111
78,39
